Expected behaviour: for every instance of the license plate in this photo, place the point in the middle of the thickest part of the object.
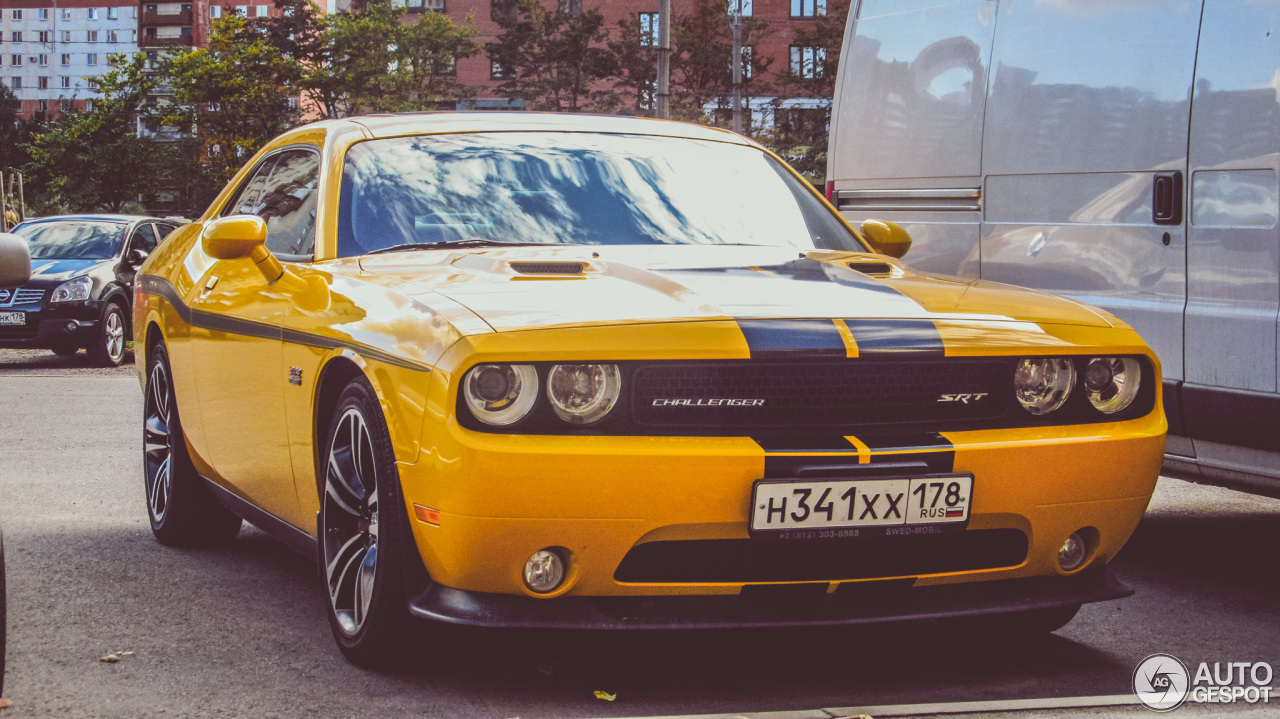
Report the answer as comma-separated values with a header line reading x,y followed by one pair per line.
x,y
13,318
880,502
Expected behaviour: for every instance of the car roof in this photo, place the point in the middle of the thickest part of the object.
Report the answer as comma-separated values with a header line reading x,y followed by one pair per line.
x,y
399,124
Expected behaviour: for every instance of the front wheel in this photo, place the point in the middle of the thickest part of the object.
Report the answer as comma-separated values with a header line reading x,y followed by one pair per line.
x,y
107,348
363,533
181,508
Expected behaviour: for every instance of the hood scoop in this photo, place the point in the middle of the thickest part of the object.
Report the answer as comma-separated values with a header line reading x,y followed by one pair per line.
x,y
548,268
875,269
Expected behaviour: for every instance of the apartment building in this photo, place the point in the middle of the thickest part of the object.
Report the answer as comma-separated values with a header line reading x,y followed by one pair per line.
x,y
184,25
52,51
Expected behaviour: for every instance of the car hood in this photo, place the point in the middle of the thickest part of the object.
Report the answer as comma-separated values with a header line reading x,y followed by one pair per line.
x,y
541,287
61,270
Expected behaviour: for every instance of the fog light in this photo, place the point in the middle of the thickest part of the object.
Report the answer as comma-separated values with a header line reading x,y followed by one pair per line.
x,y
72,326
1073,552
544,571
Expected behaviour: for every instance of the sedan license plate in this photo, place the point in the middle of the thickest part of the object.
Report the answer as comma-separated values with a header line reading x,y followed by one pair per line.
x,y
837,504
13,318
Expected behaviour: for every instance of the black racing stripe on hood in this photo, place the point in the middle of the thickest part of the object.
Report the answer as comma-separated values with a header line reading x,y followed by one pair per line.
x,y
790,339
914,336
910,454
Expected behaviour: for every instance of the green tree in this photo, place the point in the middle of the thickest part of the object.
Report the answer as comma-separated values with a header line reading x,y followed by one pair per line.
x,y
96,160
236,94
800,134
555,58
636,65
14,131
701,59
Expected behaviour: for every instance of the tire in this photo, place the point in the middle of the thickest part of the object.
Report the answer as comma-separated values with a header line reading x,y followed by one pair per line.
x,y
65,350
364,534
107,348
182,510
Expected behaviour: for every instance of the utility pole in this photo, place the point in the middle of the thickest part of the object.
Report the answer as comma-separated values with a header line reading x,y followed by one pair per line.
x,y
736,15
664,59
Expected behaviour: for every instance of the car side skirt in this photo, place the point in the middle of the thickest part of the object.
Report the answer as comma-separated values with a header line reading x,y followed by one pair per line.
x,y
294,538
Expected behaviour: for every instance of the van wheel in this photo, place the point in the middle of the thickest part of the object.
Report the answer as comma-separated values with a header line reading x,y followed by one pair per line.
x,y
107,349
363,533
182,509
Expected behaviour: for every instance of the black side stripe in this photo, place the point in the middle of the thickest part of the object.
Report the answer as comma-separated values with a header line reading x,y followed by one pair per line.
x,y
919,338
789,339
150,284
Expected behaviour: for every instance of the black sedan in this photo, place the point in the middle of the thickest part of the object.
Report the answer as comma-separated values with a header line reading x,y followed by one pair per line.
x,y
81,285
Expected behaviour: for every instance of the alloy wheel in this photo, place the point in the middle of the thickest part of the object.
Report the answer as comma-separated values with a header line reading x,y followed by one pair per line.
x,y
113,335
158,443
350,518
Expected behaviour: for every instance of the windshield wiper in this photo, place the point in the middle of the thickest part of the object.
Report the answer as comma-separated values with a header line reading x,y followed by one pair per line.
x,y
454,244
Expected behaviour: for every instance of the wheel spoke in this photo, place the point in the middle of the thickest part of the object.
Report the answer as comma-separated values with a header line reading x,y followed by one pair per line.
x,y
364,584
341,562
160,489
340,492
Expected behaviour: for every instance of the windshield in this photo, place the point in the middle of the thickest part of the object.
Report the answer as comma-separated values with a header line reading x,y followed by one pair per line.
x,y
72,239
577,188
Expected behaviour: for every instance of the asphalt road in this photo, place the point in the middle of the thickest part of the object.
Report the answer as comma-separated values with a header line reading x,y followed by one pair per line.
x,y
241,632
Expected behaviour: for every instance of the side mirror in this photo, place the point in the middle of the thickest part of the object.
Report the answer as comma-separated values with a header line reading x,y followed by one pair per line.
x,y
887,238
15,261
136,257
237,236
230,238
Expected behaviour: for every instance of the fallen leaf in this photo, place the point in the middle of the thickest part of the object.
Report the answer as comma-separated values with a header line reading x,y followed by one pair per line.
x,y
125,654
5,703
110,659
605,696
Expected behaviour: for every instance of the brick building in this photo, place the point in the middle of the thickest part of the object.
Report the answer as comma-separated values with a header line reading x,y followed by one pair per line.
x,y
51,50
783,18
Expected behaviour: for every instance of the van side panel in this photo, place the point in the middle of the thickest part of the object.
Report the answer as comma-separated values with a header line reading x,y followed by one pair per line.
x,y
1233,249
1089,102
913,82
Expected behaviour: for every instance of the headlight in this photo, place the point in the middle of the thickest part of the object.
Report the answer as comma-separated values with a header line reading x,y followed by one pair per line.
x,y
1112,383
72,290
1043,385
583,393
501,394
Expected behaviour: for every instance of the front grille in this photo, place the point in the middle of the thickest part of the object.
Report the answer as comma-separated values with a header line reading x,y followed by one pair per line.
x,y
22,296
829,560
854,392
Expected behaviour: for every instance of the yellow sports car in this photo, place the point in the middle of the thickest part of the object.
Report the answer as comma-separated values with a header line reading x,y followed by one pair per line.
x,y
521,370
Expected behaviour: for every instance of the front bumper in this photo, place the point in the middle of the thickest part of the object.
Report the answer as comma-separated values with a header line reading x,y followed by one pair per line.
x,y
52,326
607,501
776,606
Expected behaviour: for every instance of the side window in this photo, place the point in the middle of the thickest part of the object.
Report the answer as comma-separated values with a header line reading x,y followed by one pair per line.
x,y
289,203
162,231
249,200
144,238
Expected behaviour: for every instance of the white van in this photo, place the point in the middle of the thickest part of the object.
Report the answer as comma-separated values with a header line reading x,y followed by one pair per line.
x,y
1122,152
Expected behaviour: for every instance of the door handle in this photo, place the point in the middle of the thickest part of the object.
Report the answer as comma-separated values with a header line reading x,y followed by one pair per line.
x,y
1166,199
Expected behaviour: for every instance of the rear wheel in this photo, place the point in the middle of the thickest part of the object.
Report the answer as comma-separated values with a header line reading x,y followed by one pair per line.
x,y
363,533
181,508
107,348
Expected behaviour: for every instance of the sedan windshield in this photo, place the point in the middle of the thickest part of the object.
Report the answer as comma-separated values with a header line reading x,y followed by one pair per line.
x,y
575,188
72,239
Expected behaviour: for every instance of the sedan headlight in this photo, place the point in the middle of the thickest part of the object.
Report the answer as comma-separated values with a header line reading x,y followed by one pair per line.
x,y
583,393
1043,385
1112,383
72,290
501,394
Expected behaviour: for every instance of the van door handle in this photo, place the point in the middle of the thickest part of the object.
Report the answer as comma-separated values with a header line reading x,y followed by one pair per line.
x,y
1166,199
